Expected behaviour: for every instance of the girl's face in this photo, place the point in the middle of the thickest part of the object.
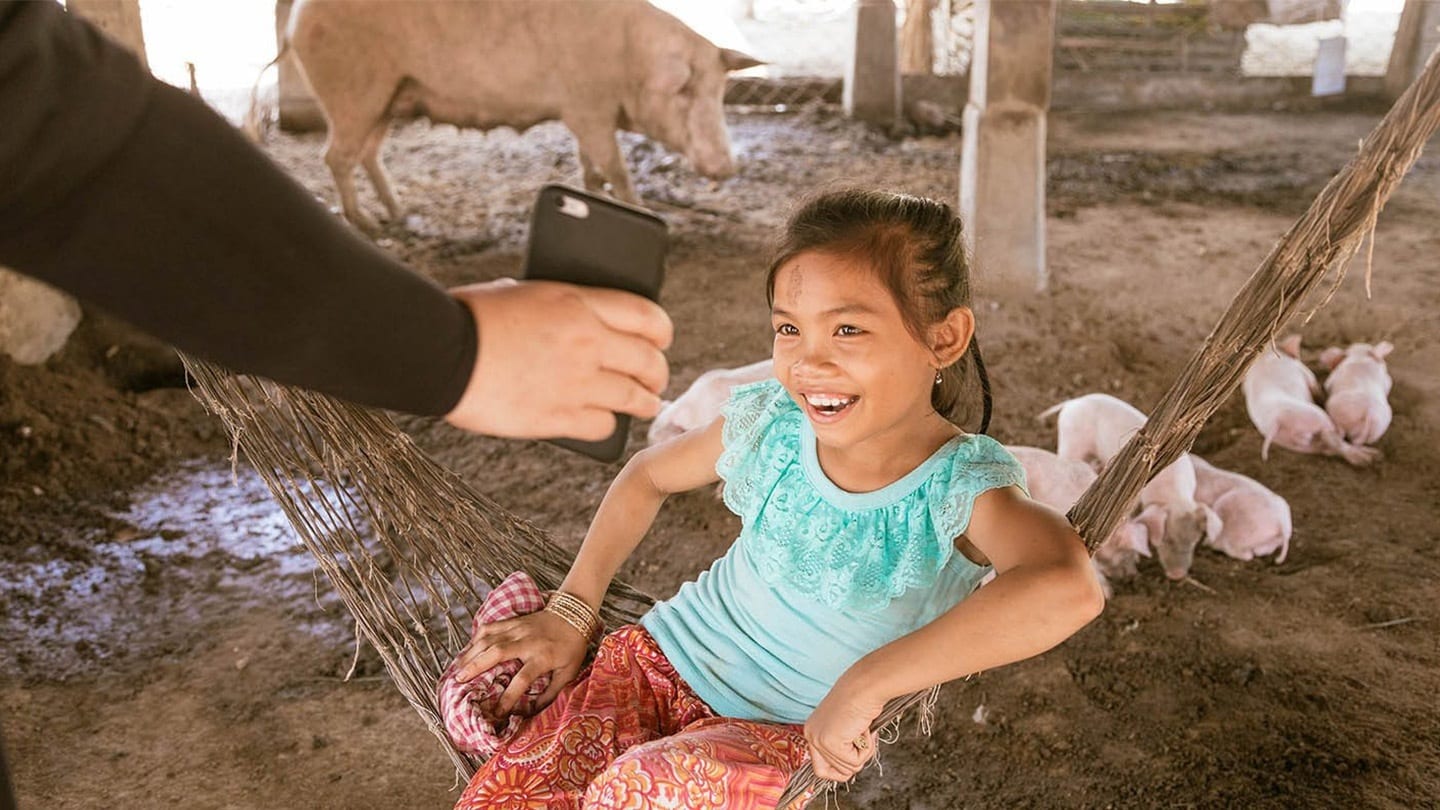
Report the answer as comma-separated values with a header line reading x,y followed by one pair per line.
x,y
844,354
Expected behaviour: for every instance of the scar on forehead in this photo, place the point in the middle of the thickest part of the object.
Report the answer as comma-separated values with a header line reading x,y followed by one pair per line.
x,y
797,276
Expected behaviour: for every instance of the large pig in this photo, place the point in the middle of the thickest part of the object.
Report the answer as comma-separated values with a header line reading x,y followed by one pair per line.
x,y
1279,396
1254,520
701,402
596,65
1093,428
1358,390
1058,483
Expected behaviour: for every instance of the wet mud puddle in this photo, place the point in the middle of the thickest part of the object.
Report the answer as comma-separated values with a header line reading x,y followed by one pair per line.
x,y
197,542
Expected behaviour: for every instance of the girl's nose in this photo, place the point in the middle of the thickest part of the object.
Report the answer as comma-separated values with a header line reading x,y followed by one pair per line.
x,y
810,360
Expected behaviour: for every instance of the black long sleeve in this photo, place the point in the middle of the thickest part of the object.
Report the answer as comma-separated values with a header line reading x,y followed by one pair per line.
x,y
131,195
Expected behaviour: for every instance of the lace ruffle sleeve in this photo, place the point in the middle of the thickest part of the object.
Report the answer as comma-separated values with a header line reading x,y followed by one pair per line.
x,y
981,464
758,445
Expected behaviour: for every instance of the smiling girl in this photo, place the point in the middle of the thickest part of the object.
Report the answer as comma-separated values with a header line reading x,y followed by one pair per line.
x,y
868,520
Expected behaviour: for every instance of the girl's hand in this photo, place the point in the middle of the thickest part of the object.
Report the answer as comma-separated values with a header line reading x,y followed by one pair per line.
x,y
839,735
541,640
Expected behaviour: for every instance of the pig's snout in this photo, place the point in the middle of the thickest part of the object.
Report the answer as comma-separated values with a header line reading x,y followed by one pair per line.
x,y
1176,561
711,156
716,167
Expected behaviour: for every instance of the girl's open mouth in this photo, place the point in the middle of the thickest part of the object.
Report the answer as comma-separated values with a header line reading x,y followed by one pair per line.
x,y
828,407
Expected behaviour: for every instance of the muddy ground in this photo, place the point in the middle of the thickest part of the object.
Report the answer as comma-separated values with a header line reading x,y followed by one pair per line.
x,y
166,644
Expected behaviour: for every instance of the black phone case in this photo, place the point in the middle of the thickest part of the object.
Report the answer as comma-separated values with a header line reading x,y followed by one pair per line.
x,y
580,238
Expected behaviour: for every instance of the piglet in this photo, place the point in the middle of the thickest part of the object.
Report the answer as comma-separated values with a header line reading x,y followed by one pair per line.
x,y
1092,429
1255,521
1058,483
701,403
1279,392
1358,390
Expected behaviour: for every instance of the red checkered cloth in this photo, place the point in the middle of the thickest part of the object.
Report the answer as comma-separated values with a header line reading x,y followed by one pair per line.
x,y
468,707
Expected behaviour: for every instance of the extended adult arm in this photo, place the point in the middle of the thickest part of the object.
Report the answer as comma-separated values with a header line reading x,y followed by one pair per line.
x,y
132,195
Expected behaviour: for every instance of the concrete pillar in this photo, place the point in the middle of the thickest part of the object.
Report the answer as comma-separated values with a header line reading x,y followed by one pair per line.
x,y
35,318
1002,163
297,108
872,77
1416,38
119,19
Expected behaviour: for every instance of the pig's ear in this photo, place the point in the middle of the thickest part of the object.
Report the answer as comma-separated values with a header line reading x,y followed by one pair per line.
x,y
669,76
1213,524
1290,344
1382,349
736,60
1152,518
1331,357
1137,537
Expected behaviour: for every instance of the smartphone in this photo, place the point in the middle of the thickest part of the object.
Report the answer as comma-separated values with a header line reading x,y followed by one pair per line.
x,y
580,238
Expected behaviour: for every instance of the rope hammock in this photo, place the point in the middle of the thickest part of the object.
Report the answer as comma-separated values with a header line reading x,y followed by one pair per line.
x,y
410,548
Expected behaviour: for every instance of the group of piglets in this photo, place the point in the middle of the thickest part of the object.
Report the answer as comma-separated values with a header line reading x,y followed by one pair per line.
x,y
1280,392
1191,501
1186,503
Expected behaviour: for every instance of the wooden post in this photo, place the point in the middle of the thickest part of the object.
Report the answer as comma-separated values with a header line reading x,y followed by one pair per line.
x,y
1415,38
917,41
119,19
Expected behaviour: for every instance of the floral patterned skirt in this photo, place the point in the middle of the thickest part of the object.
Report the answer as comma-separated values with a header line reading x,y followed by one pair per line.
x,y
629,733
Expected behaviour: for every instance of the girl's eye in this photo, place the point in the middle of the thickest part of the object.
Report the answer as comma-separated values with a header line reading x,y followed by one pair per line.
x,y
786,329
848,331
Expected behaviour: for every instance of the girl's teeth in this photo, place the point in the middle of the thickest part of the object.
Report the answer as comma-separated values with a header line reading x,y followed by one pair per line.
x,y
829,403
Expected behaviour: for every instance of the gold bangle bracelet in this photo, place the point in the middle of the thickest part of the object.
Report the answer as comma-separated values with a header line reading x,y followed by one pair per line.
x,y
579,627
575,612
584,625
583,611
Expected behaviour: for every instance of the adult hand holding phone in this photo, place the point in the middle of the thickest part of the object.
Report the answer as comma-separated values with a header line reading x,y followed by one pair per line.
x,y
559,359
577,237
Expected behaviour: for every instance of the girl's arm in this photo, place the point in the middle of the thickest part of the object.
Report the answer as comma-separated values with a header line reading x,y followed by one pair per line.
x,y
1044,591
542,640
629,508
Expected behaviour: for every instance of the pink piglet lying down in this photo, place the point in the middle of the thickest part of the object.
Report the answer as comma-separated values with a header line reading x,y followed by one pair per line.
x,y
1279,396
1253,520
1358,390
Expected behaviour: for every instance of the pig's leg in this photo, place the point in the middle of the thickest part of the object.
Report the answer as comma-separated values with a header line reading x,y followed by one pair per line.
x,y
352,119
601,161
342,153
375,167
1354,454
594,180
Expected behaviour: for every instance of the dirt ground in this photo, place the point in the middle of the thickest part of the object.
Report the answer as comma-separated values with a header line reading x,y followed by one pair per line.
x,y
166,644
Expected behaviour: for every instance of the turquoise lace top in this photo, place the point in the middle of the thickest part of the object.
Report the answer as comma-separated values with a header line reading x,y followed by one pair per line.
x,y
818,576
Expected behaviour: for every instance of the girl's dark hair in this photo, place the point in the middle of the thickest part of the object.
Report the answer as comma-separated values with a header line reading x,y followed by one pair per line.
x,y
916,248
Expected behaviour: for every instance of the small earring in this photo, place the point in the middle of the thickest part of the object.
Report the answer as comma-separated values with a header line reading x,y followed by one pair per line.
x,y
937,378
